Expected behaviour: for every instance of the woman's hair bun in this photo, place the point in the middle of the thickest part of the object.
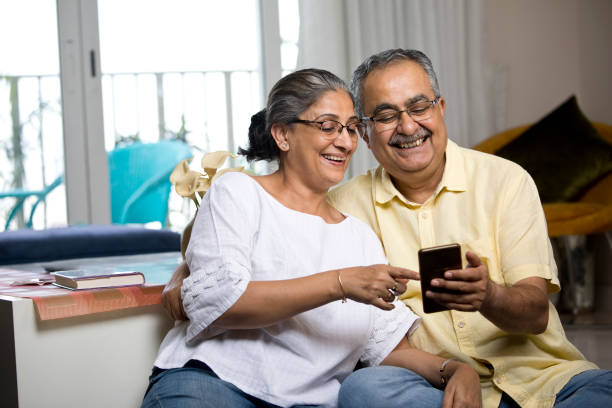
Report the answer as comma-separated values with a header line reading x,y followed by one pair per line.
x,y
262,145
258,122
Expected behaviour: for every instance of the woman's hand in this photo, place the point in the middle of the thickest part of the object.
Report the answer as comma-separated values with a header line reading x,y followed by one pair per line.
x,y
377,285
171,295
463,387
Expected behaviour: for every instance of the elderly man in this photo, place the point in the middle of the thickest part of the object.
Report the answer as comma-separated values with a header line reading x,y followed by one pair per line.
x,y
428,191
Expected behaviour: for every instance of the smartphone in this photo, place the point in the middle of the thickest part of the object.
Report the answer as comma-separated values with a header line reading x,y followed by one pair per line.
x,y
433,262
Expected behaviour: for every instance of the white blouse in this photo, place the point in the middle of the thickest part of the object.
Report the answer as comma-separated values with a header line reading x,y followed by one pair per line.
x,y
241,234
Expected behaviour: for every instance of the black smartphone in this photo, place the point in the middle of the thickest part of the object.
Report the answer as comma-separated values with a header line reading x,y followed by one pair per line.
x,y
433,262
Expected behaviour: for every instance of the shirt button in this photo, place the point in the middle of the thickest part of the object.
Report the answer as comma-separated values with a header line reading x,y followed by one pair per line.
x,y
498,379
461,325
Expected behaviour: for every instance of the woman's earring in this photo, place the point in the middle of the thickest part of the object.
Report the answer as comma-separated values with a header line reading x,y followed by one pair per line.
x,y
285,146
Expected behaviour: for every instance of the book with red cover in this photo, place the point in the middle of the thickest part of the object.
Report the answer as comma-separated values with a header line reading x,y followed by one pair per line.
x,y
83,279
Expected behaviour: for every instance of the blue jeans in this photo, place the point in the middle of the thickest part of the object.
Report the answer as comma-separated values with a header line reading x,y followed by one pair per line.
x,y
591,388
196,386
389,387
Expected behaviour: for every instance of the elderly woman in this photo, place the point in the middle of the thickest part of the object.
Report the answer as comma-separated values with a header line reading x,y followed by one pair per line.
x,y
280,306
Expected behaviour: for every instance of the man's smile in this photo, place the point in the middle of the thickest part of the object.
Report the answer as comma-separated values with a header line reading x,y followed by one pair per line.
x,y
408,142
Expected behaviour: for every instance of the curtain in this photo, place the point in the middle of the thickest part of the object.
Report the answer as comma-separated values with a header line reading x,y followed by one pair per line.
x,y
338,35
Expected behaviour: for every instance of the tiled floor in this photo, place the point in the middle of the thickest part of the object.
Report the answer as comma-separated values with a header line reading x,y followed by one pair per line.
x,y
592,334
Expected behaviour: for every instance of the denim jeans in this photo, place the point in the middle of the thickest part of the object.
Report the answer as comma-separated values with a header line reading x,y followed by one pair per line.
x,y
389,387
196,386
592,388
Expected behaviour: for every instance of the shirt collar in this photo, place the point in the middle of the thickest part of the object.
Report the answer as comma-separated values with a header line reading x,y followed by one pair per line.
x,y
453,178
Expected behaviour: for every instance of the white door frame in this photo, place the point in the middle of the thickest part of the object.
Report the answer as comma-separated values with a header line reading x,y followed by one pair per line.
x,y
85,160
270,45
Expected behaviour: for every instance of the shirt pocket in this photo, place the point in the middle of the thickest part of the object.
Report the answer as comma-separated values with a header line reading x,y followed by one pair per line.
x,y
488,255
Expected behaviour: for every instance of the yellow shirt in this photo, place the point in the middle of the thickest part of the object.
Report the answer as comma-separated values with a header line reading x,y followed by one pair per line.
x,y
490,206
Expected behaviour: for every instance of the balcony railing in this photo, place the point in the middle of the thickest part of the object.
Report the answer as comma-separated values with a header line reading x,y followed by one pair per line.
x,y
210,110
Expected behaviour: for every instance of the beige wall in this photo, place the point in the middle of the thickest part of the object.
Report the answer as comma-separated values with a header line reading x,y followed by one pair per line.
x,y
551,49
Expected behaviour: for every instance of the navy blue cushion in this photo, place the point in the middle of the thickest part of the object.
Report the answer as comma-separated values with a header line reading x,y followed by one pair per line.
x,y
26,246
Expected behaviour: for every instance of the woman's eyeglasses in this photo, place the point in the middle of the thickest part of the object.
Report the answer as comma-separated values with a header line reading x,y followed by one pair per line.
x,y
332,128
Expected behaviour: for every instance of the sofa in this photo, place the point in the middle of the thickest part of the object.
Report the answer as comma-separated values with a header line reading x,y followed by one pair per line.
x,y
590,213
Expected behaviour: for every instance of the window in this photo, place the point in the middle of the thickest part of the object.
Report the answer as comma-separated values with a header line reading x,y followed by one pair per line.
x,y
31,139
191,70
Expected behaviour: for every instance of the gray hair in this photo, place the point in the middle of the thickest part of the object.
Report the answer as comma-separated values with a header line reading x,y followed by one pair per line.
x,y
296,92
382,59
290,96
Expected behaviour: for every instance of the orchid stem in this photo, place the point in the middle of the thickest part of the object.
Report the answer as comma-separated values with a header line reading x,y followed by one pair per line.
x,y
196,202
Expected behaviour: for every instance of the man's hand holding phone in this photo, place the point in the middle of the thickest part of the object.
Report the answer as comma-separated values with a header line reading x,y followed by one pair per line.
x,y
462,289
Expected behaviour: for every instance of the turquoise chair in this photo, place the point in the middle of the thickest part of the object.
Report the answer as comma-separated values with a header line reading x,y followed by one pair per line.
x,y
140,180
21,195
139,183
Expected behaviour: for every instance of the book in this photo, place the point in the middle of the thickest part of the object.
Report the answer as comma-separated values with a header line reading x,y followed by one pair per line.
x,y
82,279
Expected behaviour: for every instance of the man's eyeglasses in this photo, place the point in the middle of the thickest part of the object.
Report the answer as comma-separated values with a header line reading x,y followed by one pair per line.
x,y
389,118
332,128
